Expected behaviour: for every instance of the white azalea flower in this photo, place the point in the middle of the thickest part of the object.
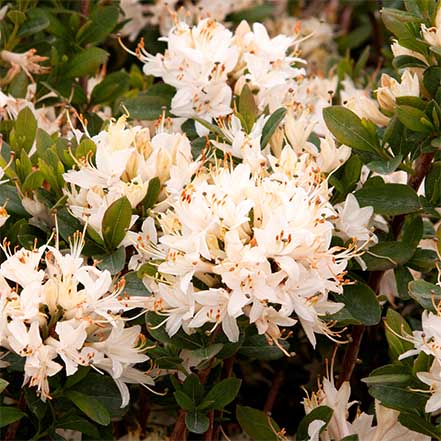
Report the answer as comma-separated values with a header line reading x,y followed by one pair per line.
x,y
432,35
391,89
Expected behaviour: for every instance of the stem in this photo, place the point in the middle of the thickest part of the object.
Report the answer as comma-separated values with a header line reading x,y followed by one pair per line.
x,y
180,430
279,376
422,167
208,435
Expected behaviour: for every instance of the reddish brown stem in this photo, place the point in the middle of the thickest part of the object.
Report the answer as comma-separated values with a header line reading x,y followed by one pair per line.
x,y
180,430
274,391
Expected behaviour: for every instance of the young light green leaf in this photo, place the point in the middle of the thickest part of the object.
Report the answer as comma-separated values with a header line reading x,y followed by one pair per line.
x,y
247,108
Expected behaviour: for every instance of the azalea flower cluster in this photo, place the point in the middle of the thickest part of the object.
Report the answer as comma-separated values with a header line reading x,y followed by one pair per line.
x,y
207,62
388,428
249,240
126,159
59,313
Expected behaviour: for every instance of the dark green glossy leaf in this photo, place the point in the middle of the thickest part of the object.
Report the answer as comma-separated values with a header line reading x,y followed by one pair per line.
x,y
346,126
116,221
362,303
322,413
426,294
389,199
271,125
396,325
90,406
223,393
9,415
257,424
86,62
197,422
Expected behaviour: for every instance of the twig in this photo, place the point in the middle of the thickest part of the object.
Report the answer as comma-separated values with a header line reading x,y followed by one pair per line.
x,y
180,430
275,387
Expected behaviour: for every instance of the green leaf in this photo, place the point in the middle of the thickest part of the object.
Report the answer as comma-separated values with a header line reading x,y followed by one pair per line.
x,y
25,129
183,400
75,422
90,406
152,194
387,378
86,62
432,184
104,390
113,86
78,376
223,393
193,388
134,285
9,415
85,148
3,384
426,294
17,17
257,424
197,422
420,425
10,197
398,397
412,230
347,127
389,199
383,167
251,15
432,79
322,413
256,347
412,118
116,221
403,61
423,260
207,352
350,438
387,255
34,403
247,108
149,106
113,262
33,181
362,303
101,23
271,125
37,21
395,324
